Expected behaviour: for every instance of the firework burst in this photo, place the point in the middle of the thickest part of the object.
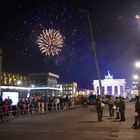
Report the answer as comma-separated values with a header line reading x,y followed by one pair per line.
x,y
50,42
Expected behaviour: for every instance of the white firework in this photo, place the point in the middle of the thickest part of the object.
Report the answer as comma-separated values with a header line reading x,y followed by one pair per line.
x,y
50,42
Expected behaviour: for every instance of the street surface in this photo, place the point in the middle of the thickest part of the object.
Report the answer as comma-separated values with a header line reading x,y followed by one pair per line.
x,y
74,124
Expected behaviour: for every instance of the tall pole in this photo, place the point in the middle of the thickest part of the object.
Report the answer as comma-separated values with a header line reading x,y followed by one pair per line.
x,y
93,44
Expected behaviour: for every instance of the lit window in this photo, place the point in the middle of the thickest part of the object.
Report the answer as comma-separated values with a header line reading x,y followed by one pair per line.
x,y
10,79
5,80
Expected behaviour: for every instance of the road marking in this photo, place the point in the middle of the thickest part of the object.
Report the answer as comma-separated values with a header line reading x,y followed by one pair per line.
x,y
19,130
44,130
4,129
114,134
33,130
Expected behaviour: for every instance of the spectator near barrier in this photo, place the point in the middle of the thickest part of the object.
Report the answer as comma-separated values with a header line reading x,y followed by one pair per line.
x,y
72,102
1,112
33,104
56,103
6,108
9,103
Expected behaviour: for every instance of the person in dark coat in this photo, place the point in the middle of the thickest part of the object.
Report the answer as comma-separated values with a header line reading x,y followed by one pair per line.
x,y
116,103
84,102
122,109
110,106
99,108
137,113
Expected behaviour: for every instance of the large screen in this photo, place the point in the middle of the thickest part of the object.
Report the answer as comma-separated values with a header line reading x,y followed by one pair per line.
x,y
12,95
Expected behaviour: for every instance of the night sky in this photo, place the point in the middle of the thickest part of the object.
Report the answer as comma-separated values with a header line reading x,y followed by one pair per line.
x,y
115,29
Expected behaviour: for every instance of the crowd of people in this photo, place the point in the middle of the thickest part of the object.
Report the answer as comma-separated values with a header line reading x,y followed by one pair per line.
x,y
43,104
34,104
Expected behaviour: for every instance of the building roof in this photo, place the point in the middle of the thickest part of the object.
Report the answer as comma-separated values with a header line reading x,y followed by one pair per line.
x,y
44,73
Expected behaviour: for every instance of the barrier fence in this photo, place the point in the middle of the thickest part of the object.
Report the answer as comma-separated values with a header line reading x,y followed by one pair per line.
x,y
14,111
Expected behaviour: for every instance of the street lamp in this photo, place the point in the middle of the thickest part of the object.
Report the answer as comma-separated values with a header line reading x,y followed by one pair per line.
x,y
136,77
93,43
137,17
137,64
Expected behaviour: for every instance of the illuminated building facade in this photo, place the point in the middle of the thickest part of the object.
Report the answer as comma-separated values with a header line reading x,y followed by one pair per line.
x,y
43,79
110,86
69,89
18,86
84,92
13,86
11,79
44,83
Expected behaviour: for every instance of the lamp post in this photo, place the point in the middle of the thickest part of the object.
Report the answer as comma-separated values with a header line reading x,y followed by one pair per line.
x,y
136,77
93,45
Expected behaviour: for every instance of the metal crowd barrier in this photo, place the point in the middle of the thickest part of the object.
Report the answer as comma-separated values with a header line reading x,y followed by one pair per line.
x,y
14,111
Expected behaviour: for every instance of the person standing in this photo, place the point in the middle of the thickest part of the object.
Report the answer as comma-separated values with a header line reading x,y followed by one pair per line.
x,y
136,124
122,109
116,103
110,106
99,108
84,102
